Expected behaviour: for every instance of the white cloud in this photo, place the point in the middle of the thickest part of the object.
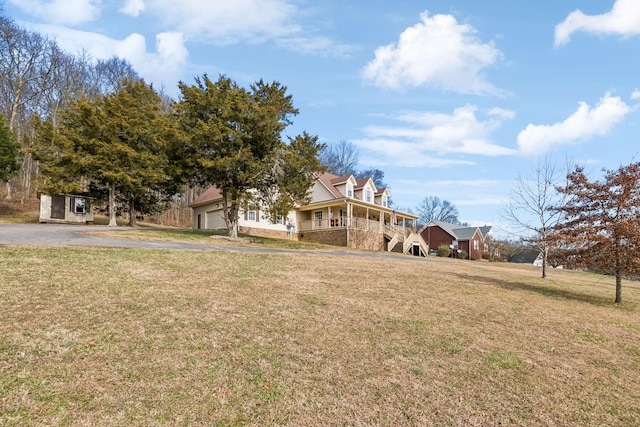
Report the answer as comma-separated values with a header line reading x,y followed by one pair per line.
x,y
461,132
437,52
163,67
623,19
635,95
391,151
132,8
62,12
585,123
227,22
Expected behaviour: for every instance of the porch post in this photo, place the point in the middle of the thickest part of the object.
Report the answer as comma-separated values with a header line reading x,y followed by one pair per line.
x,y
348,224
367,219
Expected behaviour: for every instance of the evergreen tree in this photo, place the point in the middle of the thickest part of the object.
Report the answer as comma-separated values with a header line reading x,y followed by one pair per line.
x,y
235,143
114,145
9,150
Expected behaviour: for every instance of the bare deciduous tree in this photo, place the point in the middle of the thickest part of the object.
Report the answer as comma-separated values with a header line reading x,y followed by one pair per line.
x,y
530,208
26,68
341,158
433,208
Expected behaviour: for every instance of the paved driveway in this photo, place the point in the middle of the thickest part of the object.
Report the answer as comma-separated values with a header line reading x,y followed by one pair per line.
x,y
79,235
90,235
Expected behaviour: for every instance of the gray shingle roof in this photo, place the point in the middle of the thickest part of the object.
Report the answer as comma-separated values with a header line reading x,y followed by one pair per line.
x,y
459,232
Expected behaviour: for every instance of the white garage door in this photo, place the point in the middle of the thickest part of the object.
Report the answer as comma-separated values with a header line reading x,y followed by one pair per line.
x,y
215,221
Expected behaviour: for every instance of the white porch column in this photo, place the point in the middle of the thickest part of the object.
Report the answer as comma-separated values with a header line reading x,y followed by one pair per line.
x,y
367,218
348,224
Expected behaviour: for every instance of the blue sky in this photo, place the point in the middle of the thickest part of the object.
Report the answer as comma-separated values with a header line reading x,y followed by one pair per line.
x,y
450,98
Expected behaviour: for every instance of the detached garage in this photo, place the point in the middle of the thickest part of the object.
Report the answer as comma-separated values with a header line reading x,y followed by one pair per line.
x,y
73,209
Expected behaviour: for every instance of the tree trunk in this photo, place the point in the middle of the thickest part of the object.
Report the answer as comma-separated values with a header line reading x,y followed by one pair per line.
x,y
132,214
231,217
618,271
112,205
618,287
544,261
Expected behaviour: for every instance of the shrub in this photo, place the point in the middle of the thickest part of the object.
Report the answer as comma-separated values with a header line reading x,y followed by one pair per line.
x,y
444,250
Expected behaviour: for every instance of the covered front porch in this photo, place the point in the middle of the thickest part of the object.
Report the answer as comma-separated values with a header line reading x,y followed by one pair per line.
x,y
355,224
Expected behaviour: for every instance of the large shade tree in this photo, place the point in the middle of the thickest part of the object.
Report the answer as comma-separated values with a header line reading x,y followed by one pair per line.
x,y
235,142
115,145
601,226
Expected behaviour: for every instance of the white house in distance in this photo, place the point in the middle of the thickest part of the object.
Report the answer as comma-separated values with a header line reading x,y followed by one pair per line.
x,y
343,211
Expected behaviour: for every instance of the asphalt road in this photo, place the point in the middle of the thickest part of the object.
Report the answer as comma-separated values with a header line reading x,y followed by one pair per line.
x,y
90,235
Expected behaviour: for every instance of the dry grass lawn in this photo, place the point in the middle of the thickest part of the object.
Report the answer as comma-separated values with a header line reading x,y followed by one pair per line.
x,y
116,337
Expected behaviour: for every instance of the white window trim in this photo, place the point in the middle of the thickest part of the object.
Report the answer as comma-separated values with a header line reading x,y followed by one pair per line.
x,y
368,195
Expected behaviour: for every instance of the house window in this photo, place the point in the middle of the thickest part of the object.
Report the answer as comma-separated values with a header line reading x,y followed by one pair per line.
x,y
78,205
251,214
476,245
349,189
368,195
279,219
385,201
317,216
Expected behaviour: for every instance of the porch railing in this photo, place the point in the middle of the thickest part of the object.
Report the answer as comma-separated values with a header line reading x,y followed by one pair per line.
x,y
357,223
341,222
324,224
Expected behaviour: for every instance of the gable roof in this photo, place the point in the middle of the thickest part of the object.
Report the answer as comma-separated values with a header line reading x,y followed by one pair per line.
x,y
458,231
330,181
212,193
360,183
485,230
465,233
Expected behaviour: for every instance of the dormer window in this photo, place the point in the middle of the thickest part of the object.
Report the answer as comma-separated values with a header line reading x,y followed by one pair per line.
x,y
385,201
368,195
349,189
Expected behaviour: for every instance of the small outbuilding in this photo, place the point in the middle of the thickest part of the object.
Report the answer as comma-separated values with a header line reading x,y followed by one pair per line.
x,y
73,209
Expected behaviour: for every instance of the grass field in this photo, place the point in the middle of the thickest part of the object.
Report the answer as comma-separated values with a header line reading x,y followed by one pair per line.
x,y
120,337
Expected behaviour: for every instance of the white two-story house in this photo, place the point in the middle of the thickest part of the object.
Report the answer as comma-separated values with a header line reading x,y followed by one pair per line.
x,y
343,211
